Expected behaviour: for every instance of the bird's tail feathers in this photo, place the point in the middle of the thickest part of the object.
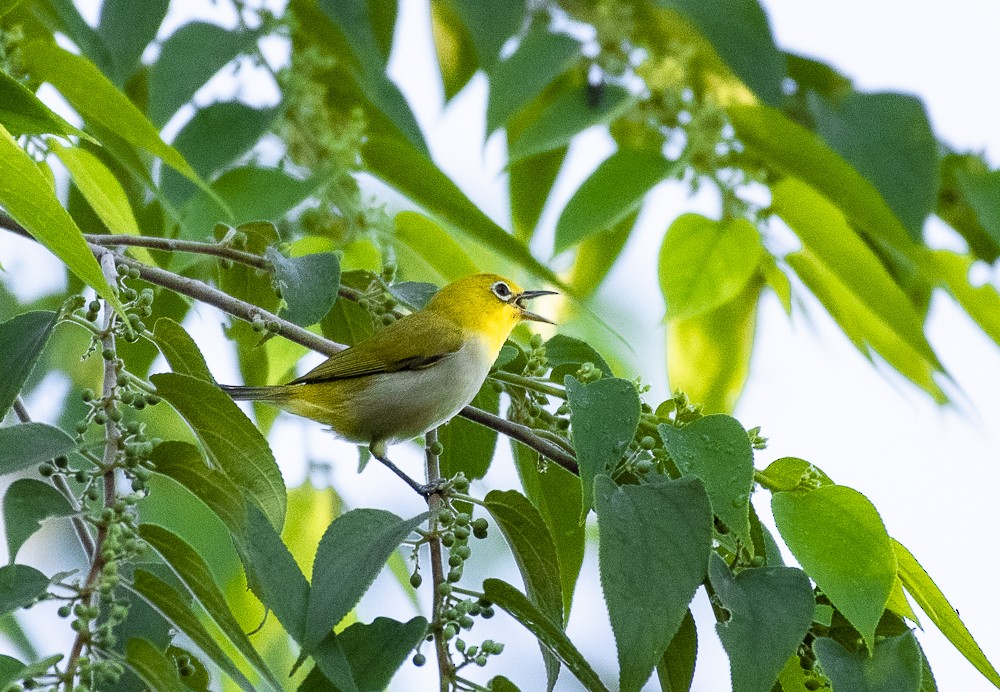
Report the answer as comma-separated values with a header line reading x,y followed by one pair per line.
x,y
251,393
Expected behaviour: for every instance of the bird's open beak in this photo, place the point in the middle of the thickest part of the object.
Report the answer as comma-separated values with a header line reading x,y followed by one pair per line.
x,y
527,314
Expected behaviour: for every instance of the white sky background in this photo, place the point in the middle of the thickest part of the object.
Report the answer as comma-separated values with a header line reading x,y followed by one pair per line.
x,y
931,472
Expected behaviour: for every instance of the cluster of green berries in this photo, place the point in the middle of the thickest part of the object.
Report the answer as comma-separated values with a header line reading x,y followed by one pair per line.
x,y
261,325
537,362
478,655
185,668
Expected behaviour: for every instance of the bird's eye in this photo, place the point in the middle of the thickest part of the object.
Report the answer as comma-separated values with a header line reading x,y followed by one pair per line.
x,y
501,290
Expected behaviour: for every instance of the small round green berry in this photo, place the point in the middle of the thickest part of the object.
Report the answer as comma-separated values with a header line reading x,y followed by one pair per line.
x,y
488,612
419,659
46,470
64,611
448,539
436,448
416,580
454,560
463,552
462,519
454,576
444,589
466,622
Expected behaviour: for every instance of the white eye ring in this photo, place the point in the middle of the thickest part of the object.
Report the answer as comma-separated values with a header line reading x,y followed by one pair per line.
x,y
502,291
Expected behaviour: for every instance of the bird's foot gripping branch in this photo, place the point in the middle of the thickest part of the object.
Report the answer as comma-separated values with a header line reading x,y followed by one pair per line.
x,y
672,490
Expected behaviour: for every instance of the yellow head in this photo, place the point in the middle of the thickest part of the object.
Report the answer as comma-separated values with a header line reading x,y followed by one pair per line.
x,y
486,304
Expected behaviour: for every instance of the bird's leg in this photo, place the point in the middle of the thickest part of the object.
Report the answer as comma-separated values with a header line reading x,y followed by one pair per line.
x,y
425,490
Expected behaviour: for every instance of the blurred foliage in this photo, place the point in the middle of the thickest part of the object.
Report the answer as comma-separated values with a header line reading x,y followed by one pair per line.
x,y
264,211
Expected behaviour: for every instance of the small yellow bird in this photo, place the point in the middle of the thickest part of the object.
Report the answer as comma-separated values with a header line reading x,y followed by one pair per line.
x,y
415,374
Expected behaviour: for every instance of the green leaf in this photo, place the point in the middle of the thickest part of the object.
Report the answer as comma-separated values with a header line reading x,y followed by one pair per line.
x,y
529,184
152,666
456,54
347,323
708,356
188,59
566,354
741,35
416,176
880,135
99,187
894,665
180,350
655,540
11,669
250,193
837,536
540,57
469,447
351,554
828,238
198,680
193,571
414,294
499,683
705,263
981,303
933,602
175,608
548,632
20,586
308,284
96,99
490,25
570,113
535,554
611,193
232,127
25,505
557,495
600,440
794,150
22,113
126,28
432,246
675,671
26,195
374,652
770,610
22,339
792,473
981,191
717,450
28,444
232,441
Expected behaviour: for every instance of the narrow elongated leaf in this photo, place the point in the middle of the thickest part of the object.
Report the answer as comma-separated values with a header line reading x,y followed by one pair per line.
x,y
417,177
308,284
96,99
22,339
540,58
26,195
20,586
11,669
600,439
982,303
717,450
25,505
705,263
895,665
469,447
529,184
675,671
839,539
180,350
535,554
22,113
193,571
770,610
456,54
126,28
28,444
655,540
930,599
881,134
352,552
548,632
173,606
598,253
188,60
433,246
235,445
611,193
153,666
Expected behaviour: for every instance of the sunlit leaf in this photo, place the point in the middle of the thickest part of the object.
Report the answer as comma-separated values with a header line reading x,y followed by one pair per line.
x,y
22,113
153,666
180,350
456,53
981,303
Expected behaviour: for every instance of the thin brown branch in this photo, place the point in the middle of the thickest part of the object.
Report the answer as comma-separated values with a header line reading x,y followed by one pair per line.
x,y
174,245
446,669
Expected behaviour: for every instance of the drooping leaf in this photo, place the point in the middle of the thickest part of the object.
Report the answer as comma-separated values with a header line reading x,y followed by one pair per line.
x,y
423,242
717,450
353,551
308,284
893,666
126,28
548,632
770,610
235,445
22,113
153,666
839,539
597,254
981,303
600,439
675,671
28,444
188,59
26,504
611,193
468,446
456,54
933,602
27,196
704,263
20,586
180,350
655,540
99,187
881,134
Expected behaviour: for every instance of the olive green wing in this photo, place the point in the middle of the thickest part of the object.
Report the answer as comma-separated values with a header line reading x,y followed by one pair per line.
x,y
410,343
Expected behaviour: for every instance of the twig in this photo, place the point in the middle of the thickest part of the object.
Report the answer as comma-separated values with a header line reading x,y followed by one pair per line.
x,y
446,669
